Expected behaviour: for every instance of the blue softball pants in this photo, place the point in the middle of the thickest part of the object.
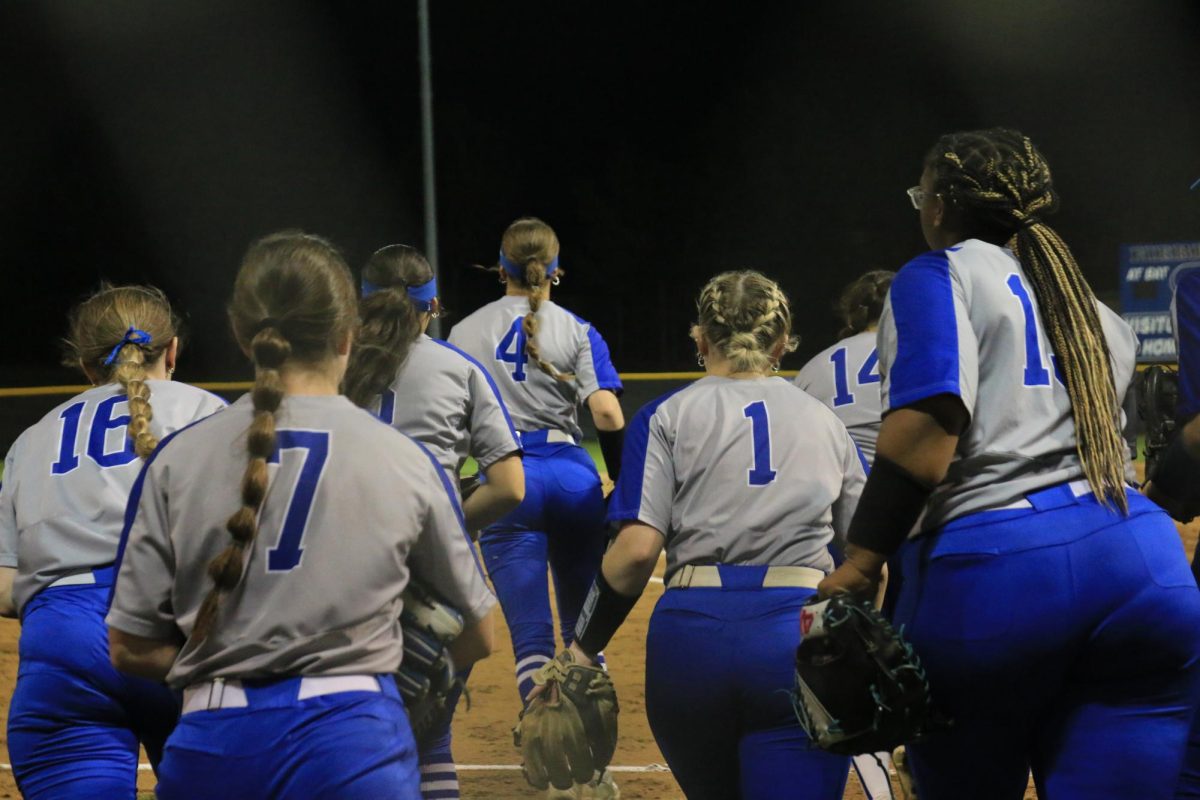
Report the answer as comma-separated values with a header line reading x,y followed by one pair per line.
x,y
719,675
560,522
1062,638
353,745
74,722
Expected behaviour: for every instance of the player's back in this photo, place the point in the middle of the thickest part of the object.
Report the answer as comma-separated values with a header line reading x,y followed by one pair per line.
x,y
740,472
845,377
68,477
351,506
536,401
973,312
447,401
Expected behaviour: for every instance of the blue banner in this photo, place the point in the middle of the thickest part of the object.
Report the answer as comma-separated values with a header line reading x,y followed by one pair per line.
x,y
1148,274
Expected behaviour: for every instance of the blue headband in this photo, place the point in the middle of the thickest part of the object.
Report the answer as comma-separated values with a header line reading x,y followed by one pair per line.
x,y
132,336
518,272
422,296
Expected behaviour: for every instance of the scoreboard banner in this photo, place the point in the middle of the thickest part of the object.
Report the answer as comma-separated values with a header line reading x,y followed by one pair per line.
x,y
1148,275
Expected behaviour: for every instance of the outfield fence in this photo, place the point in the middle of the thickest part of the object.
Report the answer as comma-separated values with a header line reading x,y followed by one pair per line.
x,y
22,406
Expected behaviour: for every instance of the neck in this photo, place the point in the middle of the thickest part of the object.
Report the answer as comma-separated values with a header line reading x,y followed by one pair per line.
x,y
312,380
720,366
512,289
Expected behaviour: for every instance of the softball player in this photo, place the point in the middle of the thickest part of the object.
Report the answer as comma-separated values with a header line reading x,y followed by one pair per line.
x,y
1052,607
280,623
744,479
546,361
845,377
444,399
74,723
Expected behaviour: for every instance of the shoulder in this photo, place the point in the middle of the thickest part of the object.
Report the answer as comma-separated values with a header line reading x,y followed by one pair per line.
x,y
186,393
666,402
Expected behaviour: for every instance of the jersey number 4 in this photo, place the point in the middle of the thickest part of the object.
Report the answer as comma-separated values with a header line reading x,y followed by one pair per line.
x,y
512,349
287,552
868,372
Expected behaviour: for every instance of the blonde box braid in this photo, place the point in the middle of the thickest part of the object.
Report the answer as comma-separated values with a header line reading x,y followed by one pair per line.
x,y
745,315
117,332
1000,184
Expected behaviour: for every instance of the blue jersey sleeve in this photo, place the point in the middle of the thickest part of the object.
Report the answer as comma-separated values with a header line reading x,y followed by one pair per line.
x,y
928,331
643,491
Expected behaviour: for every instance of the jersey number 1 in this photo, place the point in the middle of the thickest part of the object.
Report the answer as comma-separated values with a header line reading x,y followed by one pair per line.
x,y
287,552
512,349
760,429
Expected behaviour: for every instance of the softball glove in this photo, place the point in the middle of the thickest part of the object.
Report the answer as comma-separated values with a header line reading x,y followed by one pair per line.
x,y
426,677
567,734
860,688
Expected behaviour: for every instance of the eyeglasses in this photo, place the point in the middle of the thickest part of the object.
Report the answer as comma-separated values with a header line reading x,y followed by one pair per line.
x,y
917,195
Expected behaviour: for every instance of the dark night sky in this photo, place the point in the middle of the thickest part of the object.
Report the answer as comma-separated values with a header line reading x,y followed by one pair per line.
x,y
150,142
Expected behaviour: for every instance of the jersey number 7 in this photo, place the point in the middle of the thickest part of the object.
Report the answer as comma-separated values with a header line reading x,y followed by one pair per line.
x,y
287,552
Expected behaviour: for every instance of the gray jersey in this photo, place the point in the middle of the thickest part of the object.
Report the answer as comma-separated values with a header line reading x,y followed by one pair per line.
x,y
536,401
67,481
845,377
448,402
965,321
740,472
352,506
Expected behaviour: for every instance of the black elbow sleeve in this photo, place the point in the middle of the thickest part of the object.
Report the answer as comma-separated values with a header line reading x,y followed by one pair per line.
x,y
611,444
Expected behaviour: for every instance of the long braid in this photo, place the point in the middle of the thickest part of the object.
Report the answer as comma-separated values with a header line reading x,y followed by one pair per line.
x,y
535,279
745,315
269,350
998,180
131,374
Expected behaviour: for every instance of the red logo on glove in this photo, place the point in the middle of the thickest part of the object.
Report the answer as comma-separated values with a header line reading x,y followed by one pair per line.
x,y
806,621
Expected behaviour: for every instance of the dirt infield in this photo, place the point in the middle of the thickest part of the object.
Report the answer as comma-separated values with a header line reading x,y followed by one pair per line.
x,y
483,743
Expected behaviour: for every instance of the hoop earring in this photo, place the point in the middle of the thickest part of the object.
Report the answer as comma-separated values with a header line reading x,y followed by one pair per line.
x,y
555,280
774,368
700,359
435,314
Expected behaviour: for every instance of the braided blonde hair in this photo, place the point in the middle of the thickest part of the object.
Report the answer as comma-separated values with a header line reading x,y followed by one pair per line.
x,y
532,245
100,324
998,188
745,315
293,300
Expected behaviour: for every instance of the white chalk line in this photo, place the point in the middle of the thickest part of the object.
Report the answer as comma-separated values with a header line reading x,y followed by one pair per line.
x,y
474,768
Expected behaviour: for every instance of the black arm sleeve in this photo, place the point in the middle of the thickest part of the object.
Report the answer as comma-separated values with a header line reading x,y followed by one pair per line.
x,y
603,612
611,444
890,505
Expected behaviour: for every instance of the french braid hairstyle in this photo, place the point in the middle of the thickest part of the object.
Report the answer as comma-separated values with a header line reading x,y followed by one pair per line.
x,y
390,321
532,245
745,315
997,187
293,301
117,332
861,302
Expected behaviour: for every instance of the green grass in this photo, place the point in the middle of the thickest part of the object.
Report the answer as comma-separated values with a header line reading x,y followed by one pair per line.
x,y
591,445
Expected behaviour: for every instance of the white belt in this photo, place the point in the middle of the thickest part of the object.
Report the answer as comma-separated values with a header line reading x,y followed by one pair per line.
x,y
1079,488
79,579
775,577
221,693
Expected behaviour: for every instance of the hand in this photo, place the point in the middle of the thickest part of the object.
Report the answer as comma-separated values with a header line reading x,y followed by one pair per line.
x,y
859,574
1175,509
575,655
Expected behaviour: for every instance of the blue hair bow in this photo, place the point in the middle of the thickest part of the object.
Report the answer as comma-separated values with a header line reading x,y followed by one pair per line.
x,y
132,336
422,296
